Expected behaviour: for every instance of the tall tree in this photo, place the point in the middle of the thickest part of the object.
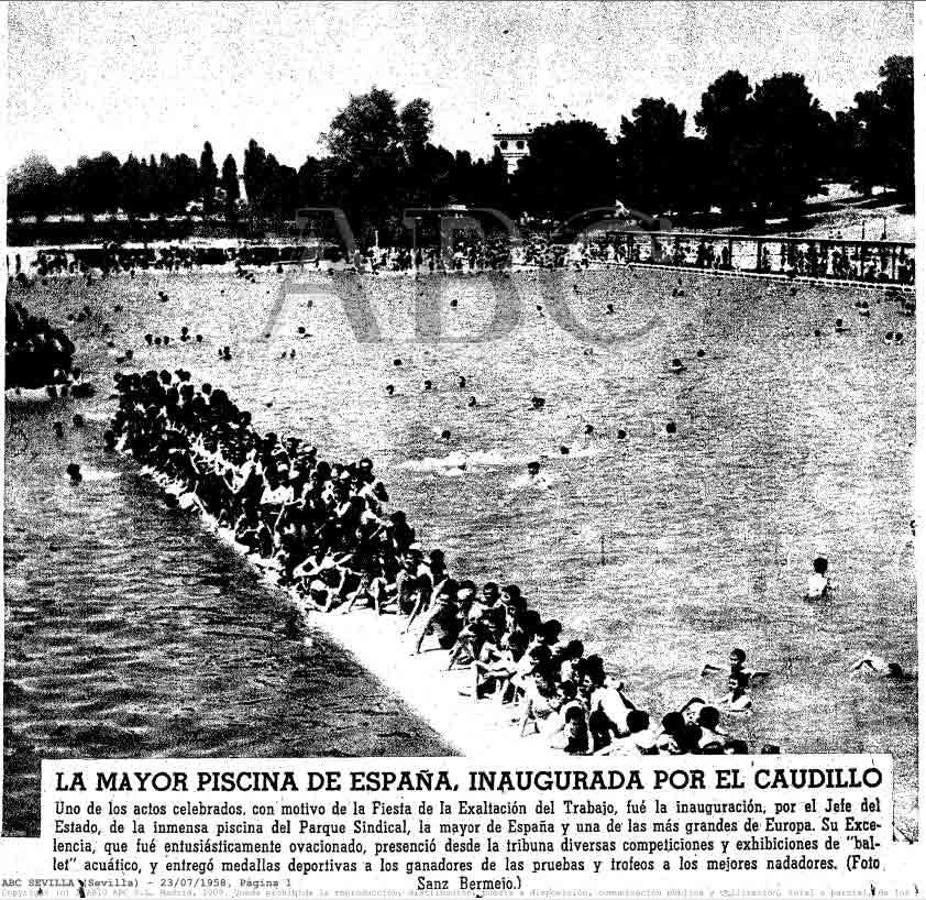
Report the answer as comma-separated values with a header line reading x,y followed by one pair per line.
x,y
415,124
726,119
208,178
255,163
154,189
230,187
131,189
34,188
571,167
787,157
277,192
651,154
311,182
883,147
93,184
368,166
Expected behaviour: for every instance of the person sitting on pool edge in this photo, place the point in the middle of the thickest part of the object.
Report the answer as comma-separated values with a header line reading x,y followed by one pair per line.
x,y
639,739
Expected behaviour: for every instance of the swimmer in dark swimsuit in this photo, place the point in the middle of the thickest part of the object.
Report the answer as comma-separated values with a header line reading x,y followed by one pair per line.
x,y
818,584
737,667
890,670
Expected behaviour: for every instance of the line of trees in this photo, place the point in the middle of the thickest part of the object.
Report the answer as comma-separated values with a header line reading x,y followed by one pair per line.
x,y
760,150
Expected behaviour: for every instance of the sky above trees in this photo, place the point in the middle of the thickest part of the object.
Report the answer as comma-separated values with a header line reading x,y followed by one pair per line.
x,y
762,149
129,77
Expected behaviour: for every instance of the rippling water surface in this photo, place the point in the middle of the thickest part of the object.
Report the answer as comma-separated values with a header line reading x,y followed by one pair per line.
x,y
130,633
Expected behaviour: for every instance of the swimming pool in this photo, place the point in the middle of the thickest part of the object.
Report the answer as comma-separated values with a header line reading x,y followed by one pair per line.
x,y
659,551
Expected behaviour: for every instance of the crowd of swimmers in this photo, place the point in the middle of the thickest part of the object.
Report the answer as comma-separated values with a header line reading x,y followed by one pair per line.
x,y
906,307
38,355
322,530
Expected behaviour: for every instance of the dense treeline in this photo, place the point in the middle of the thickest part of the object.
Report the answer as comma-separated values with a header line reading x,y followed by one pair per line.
x,y
760,150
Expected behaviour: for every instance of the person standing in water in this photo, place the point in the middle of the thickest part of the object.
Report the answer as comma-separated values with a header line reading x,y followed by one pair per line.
x,y
819,586
737,700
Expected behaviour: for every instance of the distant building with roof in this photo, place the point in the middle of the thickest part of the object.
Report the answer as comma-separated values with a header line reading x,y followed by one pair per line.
x,y
513,145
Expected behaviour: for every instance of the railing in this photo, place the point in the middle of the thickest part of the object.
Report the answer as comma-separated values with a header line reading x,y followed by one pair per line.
x,y
872,262
884,262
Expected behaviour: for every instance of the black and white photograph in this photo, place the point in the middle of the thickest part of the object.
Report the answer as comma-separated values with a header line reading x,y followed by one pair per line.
x,y
519,381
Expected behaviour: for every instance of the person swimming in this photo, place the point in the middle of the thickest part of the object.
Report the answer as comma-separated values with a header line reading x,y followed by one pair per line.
x,y
818,583
841,327
737,699
883,669
471,402
533,477
538,402
390,390
461,382
737,661
677,366
427,384
73,471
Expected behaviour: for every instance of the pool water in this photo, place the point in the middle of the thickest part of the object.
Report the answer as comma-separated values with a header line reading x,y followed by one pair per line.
x,y
129,632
